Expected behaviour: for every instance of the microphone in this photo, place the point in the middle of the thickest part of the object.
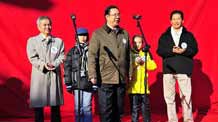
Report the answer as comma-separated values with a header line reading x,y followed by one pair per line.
x,y
73,16
137,17
146,48
110,54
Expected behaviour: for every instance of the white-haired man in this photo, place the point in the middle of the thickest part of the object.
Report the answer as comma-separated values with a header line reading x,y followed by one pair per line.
x,y
45,52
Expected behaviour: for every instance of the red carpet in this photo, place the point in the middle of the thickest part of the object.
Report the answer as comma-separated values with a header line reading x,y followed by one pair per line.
x,y
68,117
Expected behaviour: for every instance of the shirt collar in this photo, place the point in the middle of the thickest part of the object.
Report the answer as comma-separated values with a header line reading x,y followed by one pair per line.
x,y
109,29
43,38
177,33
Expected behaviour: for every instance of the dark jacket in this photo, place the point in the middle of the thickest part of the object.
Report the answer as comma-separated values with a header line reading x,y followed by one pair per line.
x,y
75,68
104,41
177,63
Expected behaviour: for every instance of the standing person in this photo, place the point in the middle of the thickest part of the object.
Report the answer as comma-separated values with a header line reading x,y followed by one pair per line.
x,y
138,88
76,71
110,44
45,53
177,47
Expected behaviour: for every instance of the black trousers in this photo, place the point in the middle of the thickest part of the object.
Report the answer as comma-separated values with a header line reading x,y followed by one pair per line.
x,y
111,102
55,114
137,100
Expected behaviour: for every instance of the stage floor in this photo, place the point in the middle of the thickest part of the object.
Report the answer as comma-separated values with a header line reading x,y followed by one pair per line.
x,y
69,117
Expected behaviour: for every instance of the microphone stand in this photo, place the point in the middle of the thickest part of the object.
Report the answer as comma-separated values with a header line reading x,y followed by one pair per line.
x,y
145,49
73,17
112,58
146,46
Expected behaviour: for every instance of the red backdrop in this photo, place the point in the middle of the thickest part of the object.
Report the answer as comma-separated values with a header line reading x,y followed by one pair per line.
x,y
18,22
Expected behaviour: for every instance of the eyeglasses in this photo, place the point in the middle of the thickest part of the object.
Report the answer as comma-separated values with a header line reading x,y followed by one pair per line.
x,y
116,15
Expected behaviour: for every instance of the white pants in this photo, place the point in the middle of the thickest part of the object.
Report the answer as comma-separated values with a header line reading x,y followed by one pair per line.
x,y
184,82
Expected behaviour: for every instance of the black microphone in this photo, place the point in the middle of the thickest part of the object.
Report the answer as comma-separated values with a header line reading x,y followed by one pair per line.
x,y
73,16
146,48
110,54
137,17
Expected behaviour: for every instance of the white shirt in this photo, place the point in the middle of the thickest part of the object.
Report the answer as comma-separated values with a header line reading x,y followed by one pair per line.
x,y
176,35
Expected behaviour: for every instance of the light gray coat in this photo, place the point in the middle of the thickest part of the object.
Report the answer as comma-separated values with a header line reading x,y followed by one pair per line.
x,y
46,87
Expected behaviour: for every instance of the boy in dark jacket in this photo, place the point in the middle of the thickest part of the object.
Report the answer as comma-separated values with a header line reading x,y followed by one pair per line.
x,y
76,71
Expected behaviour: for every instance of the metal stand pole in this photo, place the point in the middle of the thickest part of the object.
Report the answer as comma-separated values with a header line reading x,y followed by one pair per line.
x,y
73,17
146,51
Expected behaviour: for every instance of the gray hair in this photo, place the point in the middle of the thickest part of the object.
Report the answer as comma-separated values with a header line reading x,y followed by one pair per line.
x,y
40,18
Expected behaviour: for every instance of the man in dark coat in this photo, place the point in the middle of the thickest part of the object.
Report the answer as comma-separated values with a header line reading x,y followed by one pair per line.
x,y
177,47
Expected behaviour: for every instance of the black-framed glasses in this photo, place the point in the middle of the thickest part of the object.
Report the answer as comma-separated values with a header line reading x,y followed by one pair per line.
x,y
116,15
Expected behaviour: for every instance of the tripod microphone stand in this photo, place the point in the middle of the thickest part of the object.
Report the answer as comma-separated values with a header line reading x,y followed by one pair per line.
x,y
73,17
146,45
145,49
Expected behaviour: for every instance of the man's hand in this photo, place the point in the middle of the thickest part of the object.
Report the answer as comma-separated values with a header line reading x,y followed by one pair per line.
x,y
178,50
130,78
49,67
181,50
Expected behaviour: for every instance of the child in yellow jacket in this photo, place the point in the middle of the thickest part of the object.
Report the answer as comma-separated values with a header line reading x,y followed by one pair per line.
x,y
138,89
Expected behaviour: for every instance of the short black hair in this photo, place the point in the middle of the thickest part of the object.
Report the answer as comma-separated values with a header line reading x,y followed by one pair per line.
x,y
108,9
176,12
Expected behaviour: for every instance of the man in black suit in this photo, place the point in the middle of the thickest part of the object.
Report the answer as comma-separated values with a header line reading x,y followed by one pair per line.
x,y
177,47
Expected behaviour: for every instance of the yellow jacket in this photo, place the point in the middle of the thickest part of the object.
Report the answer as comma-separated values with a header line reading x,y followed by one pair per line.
x,y
137,85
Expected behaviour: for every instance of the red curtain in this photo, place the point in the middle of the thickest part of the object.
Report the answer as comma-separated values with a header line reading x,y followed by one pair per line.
x,y
18,22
